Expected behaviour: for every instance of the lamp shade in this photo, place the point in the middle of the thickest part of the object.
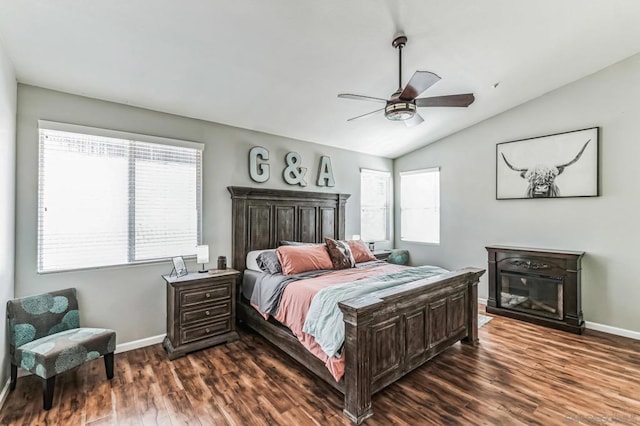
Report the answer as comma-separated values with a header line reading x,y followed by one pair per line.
x,y
355,237
202,254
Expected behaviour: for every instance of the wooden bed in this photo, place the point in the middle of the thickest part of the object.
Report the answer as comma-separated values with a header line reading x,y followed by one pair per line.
x,y
388,333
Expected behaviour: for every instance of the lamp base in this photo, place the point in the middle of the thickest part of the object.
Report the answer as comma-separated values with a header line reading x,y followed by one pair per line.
x,y
202,271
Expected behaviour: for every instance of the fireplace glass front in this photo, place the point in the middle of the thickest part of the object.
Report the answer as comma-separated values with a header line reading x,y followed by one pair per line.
x,y
535,295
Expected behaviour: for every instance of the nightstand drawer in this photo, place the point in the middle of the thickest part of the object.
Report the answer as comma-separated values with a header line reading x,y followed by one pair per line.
x,y
205,294
190,316
206,330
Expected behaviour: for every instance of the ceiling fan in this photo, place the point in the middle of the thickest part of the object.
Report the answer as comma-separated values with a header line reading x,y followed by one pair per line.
x,y
402,104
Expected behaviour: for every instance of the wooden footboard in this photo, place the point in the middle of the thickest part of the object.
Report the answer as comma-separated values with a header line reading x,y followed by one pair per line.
x,y
388,333
391,332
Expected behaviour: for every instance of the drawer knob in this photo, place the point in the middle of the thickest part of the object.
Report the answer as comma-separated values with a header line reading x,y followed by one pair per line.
x,y
208,295
206,330
206,312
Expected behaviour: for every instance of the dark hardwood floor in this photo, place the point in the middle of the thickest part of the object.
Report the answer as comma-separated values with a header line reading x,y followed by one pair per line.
x,y
520,374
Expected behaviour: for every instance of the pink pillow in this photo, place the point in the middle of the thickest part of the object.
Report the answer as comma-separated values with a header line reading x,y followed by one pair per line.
x,y
297,259
360,251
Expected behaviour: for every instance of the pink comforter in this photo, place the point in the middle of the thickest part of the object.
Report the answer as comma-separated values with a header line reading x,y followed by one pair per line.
x,y
297,297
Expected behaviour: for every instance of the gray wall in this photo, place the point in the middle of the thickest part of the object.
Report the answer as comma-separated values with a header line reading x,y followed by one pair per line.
x,y
605,227
131,299
8,88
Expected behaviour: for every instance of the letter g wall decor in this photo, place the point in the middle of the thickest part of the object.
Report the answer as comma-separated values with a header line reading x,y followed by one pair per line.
x,y
293,172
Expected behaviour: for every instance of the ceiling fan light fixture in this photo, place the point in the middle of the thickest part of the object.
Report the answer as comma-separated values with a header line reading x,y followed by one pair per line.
x,y
400,111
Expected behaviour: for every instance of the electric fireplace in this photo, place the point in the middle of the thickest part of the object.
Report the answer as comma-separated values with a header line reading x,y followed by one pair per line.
x,y
536,285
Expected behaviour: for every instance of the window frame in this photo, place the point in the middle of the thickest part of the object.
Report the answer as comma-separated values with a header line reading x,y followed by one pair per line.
x,y
414,172
117,134
388,204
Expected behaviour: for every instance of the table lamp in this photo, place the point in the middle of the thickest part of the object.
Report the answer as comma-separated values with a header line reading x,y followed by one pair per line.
x,y
202,256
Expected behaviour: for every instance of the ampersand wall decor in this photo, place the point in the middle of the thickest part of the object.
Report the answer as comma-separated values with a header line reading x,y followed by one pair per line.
x,y
293,174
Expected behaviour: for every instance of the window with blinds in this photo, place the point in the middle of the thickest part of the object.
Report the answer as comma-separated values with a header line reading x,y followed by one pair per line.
x,y
113,198
420,206
375,205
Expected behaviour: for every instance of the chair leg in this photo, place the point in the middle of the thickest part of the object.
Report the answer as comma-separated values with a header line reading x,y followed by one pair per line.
x,y
49,384
108,365
14,376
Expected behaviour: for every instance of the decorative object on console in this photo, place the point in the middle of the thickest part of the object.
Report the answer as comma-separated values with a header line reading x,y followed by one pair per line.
x,y
536,285
560,165
222,263
45,338
202,256
201,311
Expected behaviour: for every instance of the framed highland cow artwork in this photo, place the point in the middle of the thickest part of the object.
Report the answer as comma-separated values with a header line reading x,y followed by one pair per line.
x,y
552,166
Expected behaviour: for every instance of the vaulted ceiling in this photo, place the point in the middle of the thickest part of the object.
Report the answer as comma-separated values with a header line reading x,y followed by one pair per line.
x,y
277,66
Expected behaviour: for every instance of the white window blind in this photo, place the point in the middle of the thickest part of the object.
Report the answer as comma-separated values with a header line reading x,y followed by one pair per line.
x,y
420,206
375,204
113,198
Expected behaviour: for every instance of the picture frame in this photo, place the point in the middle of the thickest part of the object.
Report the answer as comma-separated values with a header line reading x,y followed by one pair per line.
x,y
179,266
560,165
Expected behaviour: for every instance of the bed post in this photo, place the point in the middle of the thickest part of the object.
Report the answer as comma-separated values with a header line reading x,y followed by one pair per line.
x,y
472,311
358,316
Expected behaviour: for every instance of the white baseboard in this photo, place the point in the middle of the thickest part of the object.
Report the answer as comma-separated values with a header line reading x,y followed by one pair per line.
x,y
4,393
136,344
599,327
123,347
612,330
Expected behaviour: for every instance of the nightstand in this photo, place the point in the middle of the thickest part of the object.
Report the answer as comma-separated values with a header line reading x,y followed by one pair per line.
x,y
200,311
381,254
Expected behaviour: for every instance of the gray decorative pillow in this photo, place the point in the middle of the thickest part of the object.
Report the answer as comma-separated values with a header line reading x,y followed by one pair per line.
x,y
340,254
268,262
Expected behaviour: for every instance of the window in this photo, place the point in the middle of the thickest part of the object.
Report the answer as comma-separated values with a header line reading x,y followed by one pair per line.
x,y
113,198
375,204
420,206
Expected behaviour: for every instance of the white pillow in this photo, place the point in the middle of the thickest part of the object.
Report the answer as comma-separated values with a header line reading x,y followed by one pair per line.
x,y
252,257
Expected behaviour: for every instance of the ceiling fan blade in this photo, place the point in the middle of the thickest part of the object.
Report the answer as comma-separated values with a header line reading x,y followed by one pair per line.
x,y
361,98
420,82
414,121
366,115
463,100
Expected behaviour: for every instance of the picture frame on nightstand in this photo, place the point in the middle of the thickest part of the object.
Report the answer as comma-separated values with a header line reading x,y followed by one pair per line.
x,y
179,266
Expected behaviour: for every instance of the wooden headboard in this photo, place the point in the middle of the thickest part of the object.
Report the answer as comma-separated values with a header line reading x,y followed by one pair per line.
x,y
263,217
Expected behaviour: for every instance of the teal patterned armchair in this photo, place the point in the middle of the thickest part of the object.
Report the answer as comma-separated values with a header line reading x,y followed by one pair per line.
x,y
45,338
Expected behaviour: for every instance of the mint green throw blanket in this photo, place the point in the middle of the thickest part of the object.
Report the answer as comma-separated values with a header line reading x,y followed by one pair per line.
x,y
324,320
